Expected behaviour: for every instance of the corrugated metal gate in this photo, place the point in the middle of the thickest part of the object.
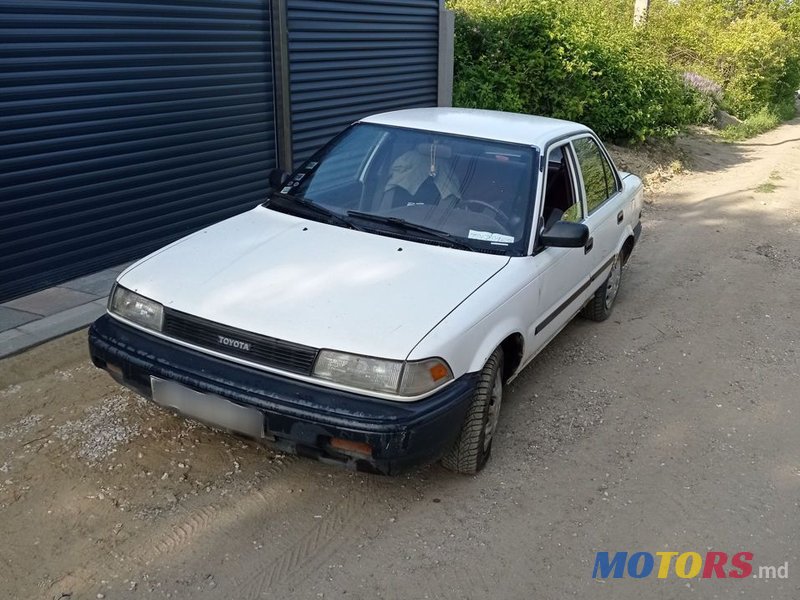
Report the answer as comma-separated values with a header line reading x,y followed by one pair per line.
x,y
351,59
124,125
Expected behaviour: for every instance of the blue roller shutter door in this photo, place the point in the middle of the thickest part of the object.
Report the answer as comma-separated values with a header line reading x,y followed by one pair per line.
x,y
351,59
126,125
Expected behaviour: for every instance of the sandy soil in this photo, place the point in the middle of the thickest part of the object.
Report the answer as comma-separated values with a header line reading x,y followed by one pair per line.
x,y
674,425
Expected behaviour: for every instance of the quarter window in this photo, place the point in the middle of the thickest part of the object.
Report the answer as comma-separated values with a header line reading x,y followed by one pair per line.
x,y
560,203
598,178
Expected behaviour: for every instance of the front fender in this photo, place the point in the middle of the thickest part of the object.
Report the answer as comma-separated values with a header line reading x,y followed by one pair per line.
x,y
491,338
468,336
468,352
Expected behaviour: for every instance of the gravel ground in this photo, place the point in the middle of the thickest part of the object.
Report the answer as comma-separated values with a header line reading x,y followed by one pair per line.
x,y
671,426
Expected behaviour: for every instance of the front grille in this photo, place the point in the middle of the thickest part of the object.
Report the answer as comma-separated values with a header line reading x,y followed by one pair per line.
x,y
260,349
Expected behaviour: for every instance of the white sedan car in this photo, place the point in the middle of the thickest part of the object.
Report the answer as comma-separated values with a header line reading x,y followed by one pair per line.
x,y
372,309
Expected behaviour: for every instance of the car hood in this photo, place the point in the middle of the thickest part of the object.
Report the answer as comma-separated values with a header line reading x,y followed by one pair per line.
x,y
312,283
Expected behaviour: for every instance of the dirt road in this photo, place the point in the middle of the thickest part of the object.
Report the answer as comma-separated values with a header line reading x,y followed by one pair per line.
x,y
673,426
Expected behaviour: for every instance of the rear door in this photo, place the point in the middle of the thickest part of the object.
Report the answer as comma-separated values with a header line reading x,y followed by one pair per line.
x,y
602,195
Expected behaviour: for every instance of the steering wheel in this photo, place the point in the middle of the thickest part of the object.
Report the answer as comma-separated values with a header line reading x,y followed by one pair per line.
x,y
503,218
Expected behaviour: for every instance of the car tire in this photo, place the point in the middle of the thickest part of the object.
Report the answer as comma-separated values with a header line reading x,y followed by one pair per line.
x,y
473,446
602,303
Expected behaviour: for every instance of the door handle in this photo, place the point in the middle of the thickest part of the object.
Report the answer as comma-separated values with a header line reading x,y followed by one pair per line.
x,y
589,245
620,216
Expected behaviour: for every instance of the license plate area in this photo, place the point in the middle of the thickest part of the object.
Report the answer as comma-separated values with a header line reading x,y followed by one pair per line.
x,y
208,408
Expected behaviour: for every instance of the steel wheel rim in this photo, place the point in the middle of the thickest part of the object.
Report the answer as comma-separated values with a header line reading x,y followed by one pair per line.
x,y
612,286
495,400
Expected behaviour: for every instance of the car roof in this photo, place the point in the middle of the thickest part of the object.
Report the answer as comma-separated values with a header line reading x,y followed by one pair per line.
x,y
485,124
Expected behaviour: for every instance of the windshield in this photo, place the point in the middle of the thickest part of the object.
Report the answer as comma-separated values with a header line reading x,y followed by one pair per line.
x,y
390,180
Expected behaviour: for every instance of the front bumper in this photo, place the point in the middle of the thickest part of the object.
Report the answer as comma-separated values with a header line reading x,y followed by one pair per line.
x,y
299,417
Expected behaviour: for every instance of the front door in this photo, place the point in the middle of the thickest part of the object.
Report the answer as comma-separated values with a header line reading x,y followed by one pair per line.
x,y
562,290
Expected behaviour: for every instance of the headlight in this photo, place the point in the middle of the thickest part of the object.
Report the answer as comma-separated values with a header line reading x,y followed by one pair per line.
x,y
378,375
135,308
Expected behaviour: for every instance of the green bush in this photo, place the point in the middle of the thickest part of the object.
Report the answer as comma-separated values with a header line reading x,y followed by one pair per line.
x,y
751,48
533,56
584,60
751,62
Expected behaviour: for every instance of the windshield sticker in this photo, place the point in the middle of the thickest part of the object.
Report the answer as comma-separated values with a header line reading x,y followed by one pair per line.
x,y
488,236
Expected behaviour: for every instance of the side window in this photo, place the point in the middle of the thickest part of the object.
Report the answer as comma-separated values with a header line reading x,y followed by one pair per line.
x,y
560,202
598,177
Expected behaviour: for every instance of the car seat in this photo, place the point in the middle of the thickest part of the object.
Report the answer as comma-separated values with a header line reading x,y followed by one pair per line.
x,y
423,175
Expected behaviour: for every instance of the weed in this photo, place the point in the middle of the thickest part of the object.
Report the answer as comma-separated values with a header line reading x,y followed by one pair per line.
x,y
762,121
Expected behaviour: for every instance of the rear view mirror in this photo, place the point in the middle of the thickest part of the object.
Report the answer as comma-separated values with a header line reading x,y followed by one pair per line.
x,y
565,234
276,178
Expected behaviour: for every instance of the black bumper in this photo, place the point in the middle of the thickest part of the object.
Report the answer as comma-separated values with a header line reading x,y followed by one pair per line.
x,y
299,416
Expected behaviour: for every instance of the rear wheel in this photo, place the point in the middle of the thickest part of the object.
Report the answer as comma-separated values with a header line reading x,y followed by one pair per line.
x,y
600,306
474,443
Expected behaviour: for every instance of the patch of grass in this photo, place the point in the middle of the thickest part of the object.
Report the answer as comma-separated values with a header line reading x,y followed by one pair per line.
x,y
762,121
775,176
676,167
766,188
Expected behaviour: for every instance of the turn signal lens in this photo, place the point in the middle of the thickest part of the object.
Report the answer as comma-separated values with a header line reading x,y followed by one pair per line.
x,y
439,371
424,376
351,447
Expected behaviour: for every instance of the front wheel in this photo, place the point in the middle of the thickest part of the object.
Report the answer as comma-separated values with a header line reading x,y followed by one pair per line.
x,y
600,305
474,443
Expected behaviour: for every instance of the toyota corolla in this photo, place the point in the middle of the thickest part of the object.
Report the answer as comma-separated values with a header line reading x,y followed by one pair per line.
x,y
371,311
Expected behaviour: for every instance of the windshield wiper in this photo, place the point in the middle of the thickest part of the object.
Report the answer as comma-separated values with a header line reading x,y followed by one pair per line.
x,y
409,226
330,216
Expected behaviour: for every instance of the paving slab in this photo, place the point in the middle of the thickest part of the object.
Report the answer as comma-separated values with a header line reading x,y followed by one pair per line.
x,y
10,317
14,340
51,301
47,328
65,321
120,268
97,284
42,316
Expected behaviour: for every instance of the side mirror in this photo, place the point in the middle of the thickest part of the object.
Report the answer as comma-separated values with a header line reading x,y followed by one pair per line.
x,y
564,234
276,178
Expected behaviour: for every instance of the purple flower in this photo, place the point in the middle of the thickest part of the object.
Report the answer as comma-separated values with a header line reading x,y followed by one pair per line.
x,y
703,85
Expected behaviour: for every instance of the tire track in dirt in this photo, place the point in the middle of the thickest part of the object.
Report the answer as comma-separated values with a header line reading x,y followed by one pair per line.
x,y
195,523
330,532
305,551
214,519
341,529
